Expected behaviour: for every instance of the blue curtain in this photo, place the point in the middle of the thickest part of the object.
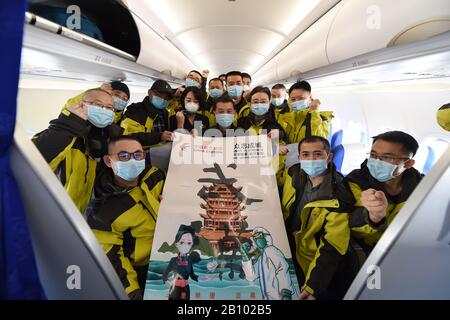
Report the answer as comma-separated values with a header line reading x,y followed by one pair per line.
x,y
18,273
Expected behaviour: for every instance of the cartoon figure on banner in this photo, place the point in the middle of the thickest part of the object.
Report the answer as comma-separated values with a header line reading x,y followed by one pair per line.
x,y
270,267
182,266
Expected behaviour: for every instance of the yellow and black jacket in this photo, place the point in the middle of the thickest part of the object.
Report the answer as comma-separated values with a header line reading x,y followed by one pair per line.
x,y
70,145
123,220
363,230
306,123
138,122
279,112
321,244
249,124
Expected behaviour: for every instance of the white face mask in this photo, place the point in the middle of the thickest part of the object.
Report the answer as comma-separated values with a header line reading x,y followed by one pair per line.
x,y
184,248
246,87
191,107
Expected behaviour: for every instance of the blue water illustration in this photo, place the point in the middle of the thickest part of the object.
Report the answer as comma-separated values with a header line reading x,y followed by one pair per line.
x,y
224,283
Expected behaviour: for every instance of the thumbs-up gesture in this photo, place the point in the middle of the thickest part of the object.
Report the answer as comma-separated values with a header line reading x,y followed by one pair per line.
x,y
80,110
376,203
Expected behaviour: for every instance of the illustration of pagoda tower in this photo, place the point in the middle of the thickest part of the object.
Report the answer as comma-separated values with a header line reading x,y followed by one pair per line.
x,y
223,220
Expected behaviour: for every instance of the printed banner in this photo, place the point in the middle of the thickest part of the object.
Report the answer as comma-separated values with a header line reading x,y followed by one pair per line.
x,y
220,232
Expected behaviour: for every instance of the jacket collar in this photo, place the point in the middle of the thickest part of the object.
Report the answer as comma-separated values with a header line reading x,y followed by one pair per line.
x,y
362,177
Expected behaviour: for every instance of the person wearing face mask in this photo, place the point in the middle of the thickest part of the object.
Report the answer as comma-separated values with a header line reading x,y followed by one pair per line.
x,y
120,93
279,106
124,210
235,89
315,206
182,266
270,267
260,118
188,118
381,186
193,79
306,120
216,90
76,139
148,121
247,81
225,115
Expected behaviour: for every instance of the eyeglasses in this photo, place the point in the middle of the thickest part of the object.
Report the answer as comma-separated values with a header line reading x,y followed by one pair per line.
x,y
125,156
97,104
390,159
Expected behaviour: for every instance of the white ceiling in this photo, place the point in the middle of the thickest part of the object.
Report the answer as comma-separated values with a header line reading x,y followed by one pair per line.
x,y
223,35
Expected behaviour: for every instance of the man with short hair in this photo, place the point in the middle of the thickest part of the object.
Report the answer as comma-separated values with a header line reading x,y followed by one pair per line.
x,y
148,121
225,116
247,81
123,212
279,106
235,90
381,186
74,142
306,119
315,206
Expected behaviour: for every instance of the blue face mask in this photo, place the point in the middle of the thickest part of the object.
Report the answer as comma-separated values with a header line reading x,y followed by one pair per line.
x,y
300,105
128,170
119,103
382,170
191,83
314,168
159,103
260,109
215,93
100,117
235,91
224,119
277,102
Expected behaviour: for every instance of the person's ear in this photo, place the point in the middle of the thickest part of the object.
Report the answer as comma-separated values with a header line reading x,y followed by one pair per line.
x,y
330,158
409,164
107,161
150,93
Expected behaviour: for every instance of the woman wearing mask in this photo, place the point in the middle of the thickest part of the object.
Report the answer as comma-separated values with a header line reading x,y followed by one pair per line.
x,y
192,100
260,118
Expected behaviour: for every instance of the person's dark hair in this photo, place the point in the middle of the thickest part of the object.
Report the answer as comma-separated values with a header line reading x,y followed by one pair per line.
x,y
246,75
113,140
222,75
279,86
183,229
445,106
198,72
198,94
260,89
233,73
214,79
312,139
223,99
408,143
304,85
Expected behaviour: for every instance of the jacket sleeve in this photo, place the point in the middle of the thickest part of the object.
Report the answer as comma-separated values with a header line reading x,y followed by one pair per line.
x,y
112,245
55,142
320,124
333,246
359,221
136,130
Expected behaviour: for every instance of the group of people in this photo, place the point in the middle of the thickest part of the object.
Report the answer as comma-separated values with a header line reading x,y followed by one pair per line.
x,y
98,148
